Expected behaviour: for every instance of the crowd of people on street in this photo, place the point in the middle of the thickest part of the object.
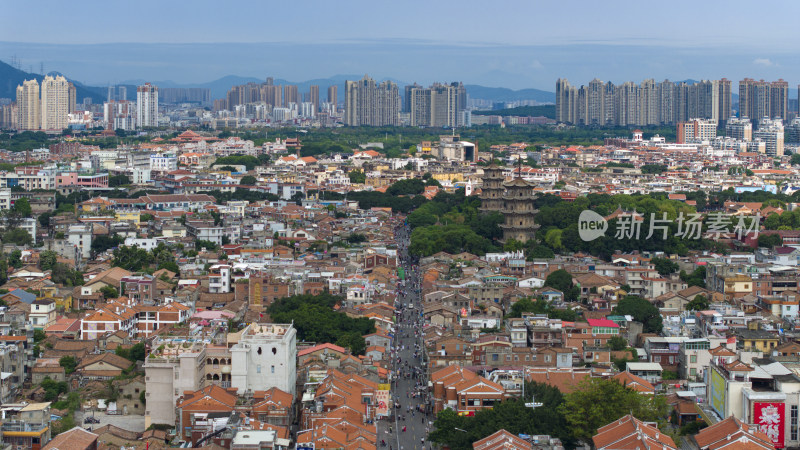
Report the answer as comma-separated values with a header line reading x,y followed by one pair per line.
x,y
408,374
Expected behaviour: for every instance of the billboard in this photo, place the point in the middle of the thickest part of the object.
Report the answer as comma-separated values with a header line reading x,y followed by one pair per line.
x,y
769,417
717,396
382,400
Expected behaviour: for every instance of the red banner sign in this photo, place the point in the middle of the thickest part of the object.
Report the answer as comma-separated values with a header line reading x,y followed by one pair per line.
x,y
770,420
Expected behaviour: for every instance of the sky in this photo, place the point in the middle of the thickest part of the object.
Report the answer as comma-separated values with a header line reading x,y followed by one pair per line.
x,y
517,44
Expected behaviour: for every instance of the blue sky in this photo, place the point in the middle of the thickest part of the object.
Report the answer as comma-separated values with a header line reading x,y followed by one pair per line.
x,y
497,43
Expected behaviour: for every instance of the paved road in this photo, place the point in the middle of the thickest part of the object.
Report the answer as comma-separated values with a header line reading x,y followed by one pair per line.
x,y
409,374
131,422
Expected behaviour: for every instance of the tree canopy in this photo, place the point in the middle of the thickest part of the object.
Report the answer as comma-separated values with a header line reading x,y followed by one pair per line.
x,y
511,415
316,321
599,401
642,311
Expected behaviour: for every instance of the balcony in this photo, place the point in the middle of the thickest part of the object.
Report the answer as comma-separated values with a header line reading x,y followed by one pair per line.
x,y
24,427
663,351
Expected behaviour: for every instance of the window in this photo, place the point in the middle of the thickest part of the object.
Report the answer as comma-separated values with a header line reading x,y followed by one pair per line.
x,y
693,372
272,369
258,368
693,359
793,424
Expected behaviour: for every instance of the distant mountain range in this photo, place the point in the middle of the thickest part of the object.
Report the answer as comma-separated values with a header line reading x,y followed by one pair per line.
x,y
11,77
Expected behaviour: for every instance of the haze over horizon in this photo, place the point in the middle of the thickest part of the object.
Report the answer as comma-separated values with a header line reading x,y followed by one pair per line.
x,y
517,45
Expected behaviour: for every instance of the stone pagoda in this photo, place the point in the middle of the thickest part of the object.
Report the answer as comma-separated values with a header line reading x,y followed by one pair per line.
x,y
492,189
518,210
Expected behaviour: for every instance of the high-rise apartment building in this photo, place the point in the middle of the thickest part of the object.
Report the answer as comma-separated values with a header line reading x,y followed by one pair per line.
x,y
370,103
564,96
313,96
595,103
147,106
73,93
793,131
407,96
697,130
725,100
437,106
8,116
290,95
739,128
759,99
770,131
333,97
55,103
779,99
28,106
649,103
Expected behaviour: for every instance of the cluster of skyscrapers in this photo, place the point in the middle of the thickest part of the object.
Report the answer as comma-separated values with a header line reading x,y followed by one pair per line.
x,y
377,104
45,107
276,96
667,102
119,113
759,99
367,103
648,103
441,105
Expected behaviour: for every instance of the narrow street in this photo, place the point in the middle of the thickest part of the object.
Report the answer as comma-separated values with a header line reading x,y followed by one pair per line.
x,y
408,426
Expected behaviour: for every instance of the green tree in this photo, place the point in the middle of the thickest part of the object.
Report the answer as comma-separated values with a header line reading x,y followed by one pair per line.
x,y
642,311
598,401
208,245
553,238
653,168
411,186
315,320
458,432
698,303
357,176
617,343
250,162
17,236
109,292
118,180
106,242
248,180
69,363
697,277
664,266
63,274
133,259
52,388
562,280
15,259
795,160
22,207
769,240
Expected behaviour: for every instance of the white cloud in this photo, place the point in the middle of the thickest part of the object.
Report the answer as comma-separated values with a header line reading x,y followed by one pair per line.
x,y
536,64
764,62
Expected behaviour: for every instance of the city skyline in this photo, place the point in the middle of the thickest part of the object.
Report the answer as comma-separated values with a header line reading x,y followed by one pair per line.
x,y
530,48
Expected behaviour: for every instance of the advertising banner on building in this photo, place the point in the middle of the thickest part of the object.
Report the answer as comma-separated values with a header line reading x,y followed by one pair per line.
x,y
382,399
769,417
718,393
